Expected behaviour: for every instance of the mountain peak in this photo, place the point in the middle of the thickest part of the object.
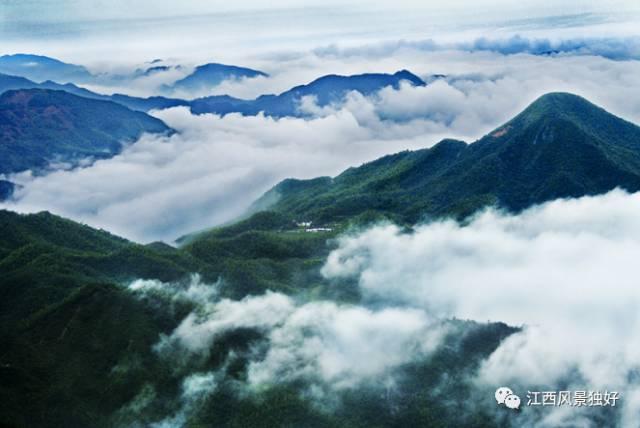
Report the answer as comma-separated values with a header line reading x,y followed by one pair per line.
x,y
208,75
569,113
560,146
405,74
560,105
376,80
40,68
561,102
551,97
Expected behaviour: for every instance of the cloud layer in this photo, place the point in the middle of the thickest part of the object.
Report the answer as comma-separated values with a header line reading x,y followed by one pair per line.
x,y
161,188
327,345
226,32
564,270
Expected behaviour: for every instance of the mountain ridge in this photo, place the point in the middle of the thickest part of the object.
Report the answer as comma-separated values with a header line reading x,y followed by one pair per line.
x,y
73,328
325,90
40,68
561,145
40,125
212,74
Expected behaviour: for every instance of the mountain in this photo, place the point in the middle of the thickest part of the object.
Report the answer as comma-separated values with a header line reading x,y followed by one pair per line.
x,y
6,189
149,103
560,146
38,250
65,320
325,90
38,126
332,88
209,75
78,346
8,82
40,68
153,70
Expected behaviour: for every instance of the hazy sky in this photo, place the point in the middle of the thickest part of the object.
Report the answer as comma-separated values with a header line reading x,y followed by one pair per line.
x,y
89,31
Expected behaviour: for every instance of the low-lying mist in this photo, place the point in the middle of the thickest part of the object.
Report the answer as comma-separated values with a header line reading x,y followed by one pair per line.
x,y
215,167
562,274
563,270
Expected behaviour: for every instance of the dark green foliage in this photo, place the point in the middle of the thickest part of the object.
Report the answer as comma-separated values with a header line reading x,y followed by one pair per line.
x,y
58,365
560,146
18,229
45,257
265,220
77,346
266,251
39,126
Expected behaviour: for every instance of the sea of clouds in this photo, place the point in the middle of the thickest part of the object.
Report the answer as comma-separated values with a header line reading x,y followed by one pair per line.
x,y
563,271
214,167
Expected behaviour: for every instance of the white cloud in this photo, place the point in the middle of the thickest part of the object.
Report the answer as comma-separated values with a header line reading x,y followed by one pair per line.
x,y
328,345
161,188
345,345
566,270
199,329
228,31
195,389
192,291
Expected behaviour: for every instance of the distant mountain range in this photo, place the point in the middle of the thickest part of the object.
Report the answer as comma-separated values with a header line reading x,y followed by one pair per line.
x,y
39,126
561,146
83,123
8,82
324,91
210,75
40,68
23,71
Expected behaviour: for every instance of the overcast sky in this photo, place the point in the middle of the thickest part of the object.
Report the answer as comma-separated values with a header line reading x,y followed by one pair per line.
x,y
89,31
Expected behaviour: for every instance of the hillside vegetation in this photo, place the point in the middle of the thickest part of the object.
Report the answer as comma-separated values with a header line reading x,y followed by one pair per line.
x,y
80,347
